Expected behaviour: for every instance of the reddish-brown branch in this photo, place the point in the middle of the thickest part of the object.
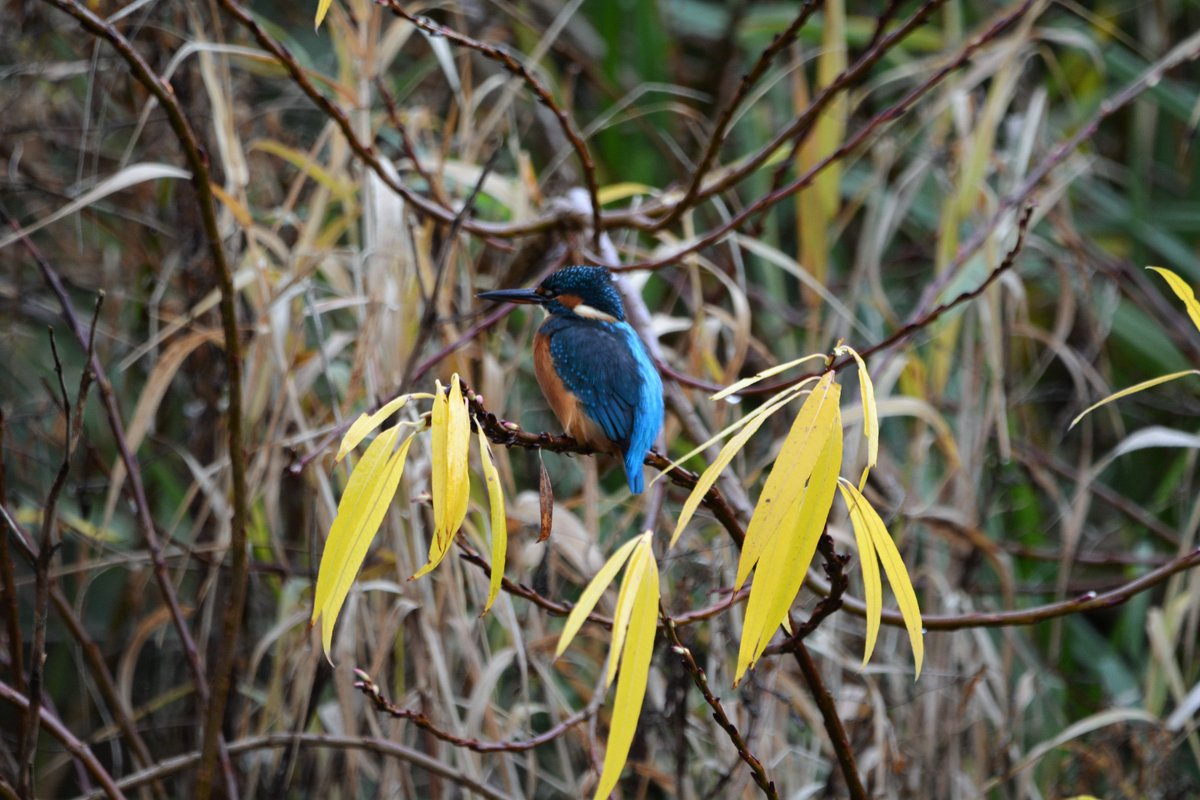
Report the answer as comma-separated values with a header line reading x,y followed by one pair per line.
x,y
749,80
197,161
368,687
76,748
506,60
718,711
851,144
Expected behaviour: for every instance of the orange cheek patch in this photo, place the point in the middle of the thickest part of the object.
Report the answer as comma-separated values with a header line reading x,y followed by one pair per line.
x,y
570,300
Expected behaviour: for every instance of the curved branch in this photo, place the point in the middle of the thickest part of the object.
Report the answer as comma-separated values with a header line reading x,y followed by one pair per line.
x,y
369,688
78,749
506,60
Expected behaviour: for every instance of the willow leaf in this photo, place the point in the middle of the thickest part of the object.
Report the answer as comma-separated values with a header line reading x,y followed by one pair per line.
x,y
791,471
591,594
635,672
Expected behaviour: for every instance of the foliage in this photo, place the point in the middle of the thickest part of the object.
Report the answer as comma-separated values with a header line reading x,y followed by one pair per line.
x,y
289,226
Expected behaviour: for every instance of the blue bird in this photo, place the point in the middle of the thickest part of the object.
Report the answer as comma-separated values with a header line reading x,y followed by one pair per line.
x,y
592,367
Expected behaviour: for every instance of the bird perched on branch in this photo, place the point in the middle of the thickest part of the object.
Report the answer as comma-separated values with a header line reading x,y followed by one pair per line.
x,y
592,367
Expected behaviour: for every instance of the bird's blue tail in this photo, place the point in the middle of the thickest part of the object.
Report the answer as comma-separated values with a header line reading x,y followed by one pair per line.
x,y
633,472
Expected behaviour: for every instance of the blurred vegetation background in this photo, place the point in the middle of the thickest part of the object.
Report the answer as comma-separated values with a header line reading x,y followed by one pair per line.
x,y
348,293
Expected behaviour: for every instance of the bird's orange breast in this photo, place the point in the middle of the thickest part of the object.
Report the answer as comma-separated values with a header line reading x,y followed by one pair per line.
x,y
565,405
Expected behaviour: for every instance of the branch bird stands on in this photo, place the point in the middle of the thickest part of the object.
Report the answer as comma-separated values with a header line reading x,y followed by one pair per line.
x,y
592,367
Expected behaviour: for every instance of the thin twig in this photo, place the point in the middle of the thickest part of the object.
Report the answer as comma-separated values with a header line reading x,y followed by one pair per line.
x,y
852,143
506,60
197,161
833,723
76,748
383,747
749,80
373,693
26,780
701,680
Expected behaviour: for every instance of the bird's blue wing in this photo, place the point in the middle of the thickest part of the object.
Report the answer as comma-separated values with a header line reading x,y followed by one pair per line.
x,y
606,367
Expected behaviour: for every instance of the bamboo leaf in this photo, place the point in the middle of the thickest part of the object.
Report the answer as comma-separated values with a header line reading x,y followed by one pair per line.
x,y
499,518
870,414
591,594
1183,292
793,467
1161,379
750,426
635,673
860,512
787,555
366,423
363,505
625,601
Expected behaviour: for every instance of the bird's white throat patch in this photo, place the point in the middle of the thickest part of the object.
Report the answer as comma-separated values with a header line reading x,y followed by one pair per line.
x,y
590,312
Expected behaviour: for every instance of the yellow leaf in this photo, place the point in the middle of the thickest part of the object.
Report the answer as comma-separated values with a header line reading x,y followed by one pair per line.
x,y
766,373
235,206
870,413
450,480
1161,379
749,426
792,469
1183,292
591,594
622,191
625,600
458,443
635,672
897,575
787,555
363,505
737,425
860,519
499,518
367,423
322,10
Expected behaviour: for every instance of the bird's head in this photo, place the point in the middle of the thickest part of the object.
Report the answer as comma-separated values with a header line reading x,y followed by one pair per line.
x,y
585,292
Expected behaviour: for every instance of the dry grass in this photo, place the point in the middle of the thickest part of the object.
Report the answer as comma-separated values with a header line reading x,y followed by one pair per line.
x,y
347,294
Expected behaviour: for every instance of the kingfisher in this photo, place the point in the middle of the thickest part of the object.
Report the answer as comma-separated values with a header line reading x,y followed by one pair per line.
x,y
592,367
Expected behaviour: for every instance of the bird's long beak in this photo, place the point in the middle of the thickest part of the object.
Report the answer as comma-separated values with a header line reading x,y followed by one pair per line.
x,y
524,296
